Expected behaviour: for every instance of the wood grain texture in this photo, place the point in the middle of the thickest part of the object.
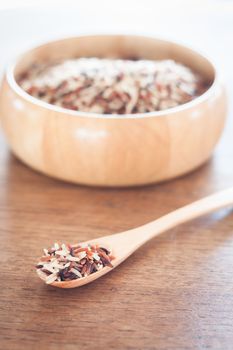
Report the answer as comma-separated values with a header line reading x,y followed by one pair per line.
x,y
187,303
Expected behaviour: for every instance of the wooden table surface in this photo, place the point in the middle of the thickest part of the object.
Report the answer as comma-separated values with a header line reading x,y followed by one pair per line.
x,y
174,293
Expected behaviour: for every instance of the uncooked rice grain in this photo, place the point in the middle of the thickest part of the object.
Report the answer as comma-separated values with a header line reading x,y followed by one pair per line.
x,y
113,86
65,262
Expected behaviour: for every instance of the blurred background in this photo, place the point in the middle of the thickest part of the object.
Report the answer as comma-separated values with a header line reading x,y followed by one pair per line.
x,y
188,21
206,25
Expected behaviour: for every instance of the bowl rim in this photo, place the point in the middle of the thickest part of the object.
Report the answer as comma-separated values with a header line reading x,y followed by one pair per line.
x,y
10,77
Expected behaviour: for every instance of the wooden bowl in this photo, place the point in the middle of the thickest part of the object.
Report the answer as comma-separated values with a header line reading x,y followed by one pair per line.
x,y
110,150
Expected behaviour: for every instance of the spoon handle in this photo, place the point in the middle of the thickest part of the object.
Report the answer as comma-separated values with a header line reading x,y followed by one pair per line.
x,y
189,212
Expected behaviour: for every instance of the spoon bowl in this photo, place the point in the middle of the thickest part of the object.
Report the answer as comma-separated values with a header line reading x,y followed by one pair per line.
x,y
116,241
77,282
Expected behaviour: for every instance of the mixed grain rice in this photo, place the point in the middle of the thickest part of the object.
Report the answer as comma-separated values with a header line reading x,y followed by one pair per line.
x,y
113,86
65,262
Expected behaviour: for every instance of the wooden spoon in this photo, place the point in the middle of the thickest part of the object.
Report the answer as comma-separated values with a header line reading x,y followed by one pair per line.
x,y
126,243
